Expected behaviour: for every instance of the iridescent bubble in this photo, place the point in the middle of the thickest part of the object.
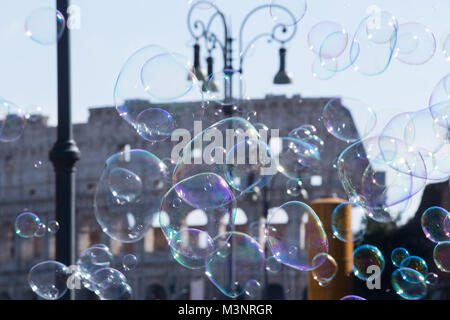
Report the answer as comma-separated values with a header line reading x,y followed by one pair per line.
x,y
296,159
433,224
45,25
352,297
409,284
204,200
380,28
234,251
345,59
320,32
125,185
53,227
191,247
380,173
116,291
441,256
129,193
323,69
129,262
364,257
12,121
105,277
144,77
154,124
41,230
398,255
297,10
441,91
273,265
27,223
92,260
415,44
431,279
201,155
249,165
294,187
349,222
296,224
326,270
48,279
308,133
374,58
446,46
338,115
415,263
252,288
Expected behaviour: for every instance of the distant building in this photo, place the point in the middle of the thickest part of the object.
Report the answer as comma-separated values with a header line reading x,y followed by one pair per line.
x,y
24,183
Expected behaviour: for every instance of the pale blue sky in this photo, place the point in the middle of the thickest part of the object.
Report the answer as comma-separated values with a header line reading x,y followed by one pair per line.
x,y
111,30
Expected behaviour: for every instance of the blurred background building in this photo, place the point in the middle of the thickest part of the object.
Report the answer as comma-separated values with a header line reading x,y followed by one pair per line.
x,y
27,182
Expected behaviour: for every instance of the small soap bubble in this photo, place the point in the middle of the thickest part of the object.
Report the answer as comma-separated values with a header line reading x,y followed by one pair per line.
x,y
129,262
53,227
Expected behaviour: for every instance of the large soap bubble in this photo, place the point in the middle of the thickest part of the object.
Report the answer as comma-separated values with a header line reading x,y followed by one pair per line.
x,y
441,256
296,236
12,121
235,260
48,279
433,224
409,284
415,44
364,257
45,25
128,194
143,98
202,201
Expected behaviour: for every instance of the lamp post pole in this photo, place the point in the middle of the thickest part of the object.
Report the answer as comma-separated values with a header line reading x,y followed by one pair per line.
x,y
63,156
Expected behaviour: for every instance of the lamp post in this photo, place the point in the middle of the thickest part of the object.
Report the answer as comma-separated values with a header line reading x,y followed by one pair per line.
x,y
63,156
199,29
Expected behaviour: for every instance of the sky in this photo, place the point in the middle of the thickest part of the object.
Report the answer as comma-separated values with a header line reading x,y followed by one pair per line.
x,y
111,30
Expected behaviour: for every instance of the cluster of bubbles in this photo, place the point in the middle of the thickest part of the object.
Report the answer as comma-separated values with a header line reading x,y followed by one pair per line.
x,y
93,270
370,49
29,225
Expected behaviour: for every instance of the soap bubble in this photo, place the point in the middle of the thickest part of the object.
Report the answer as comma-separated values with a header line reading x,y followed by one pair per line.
x,y
431,279
308,133
105,277
252,288
349,222
409,284
380,173
116,291
45,25
53,227
441,256
441,91
41,230
273,265
92,260
191,247
433,224
345,59
352,297
27,223
296,159
415,263
365,256
320,32
128,194
326,270
307,235
48,279
202,200
145,76
373,57
338,115
129,262
12,121
294,187
398,255
415,44
234,251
